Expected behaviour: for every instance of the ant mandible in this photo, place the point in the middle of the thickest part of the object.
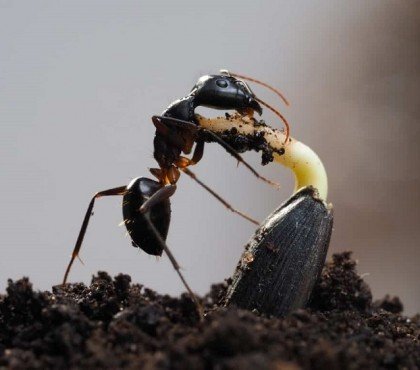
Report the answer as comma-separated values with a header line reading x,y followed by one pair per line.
x,y
146,205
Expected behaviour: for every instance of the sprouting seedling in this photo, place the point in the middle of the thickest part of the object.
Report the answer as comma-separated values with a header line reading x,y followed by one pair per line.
x,y
302,160
284,258
276,91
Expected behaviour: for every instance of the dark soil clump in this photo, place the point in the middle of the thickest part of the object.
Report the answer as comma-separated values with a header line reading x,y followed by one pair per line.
x,y
114,324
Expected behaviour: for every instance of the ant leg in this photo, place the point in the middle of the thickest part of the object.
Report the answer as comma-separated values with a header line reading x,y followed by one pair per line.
x,y
238,157
196,129
162,194
114,191
218,197
183,162
171,136
198,152
174,122
175,265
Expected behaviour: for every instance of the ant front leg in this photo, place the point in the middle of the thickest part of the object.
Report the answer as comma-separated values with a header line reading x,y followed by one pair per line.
x,y
184,162
114,191
238,157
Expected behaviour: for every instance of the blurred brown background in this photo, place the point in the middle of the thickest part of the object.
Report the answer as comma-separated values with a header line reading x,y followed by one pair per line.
x,y
80,80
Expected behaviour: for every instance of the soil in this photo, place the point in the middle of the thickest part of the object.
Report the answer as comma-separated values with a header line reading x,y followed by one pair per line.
x,y
114,324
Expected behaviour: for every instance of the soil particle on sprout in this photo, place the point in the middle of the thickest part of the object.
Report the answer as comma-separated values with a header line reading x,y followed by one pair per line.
x,y
115,324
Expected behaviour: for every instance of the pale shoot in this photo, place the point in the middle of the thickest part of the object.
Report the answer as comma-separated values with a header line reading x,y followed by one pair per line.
x,y
302,160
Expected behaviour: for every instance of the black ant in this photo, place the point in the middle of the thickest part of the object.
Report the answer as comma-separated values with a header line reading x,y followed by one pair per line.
x,y
146,205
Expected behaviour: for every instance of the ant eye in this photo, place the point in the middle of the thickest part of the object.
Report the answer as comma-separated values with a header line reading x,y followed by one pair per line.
x,y
221,83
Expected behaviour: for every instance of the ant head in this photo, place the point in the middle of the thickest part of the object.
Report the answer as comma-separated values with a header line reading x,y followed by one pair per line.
x,y
225,92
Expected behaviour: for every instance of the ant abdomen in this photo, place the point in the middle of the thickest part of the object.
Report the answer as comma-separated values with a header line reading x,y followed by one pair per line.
x,y
138,191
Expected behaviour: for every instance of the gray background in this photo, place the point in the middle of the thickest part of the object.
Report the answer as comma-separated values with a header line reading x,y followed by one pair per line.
x,y
79,81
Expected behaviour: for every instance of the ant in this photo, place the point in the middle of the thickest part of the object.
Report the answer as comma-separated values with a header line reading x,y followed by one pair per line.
x,y
146,206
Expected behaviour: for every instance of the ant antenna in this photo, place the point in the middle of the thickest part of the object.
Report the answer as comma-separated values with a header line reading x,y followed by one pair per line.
x,y
277,92
275,111
274,90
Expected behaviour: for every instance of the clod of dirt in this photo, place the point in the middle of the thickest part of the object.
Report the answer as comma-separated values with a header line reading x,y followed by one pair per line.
x,y
114,324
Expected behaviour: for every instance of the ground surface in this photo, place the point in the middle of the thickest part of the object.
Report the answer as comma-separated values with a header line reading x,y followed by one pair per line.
x,y
116,324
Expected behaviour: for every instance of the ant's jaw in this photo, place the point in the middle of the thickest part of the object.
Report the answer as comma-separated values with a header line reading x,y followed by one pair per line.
x,y
246,112
255,106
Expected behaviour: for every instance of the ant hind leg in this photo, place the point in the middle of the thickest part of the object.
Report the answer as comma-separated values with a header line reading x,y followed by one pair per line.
x,y
75,254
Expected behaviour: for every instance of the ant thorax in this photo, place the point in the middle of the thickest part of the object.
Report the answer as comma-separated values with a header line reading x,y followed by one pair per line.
x,y
182,109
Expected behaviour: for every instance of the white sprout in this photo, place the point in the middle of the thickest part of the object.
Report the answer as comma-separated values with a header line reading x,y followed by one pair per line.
x,y
302,160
